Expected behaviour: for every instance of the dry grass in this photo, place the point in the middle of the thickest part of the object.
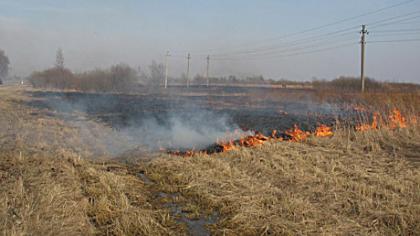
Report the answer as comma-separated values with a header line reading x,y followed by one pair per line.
x,y
41,196
353,183
49,188
324,186
64,195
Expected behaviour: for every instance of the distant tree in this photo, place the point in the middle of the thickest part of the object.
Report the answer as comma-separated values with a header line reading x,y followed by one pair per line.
x,y
122,77
52,78
143,77
199,79
4,66
347,83
232,79
117,78
255,79
157,73
59,59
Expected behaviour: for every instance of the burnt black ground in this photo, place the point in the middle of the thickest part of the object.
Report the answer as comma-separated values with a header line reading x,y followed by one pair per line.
x,y
249,108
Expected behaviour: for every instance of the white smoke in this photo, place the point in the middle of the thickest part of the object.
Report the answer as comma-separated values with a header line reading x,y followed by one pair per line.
x,y
200,130
192,128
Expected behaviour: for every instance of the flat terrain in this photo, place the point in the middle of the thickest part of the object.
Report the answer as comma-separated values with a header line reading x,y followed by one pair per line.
x,y
58,179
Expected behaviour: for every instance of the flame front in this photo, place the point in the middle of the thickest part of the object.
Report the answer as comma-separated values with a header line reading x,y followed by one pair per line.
x,y
296,134
396,120
252,141
323,131
228,146
374,125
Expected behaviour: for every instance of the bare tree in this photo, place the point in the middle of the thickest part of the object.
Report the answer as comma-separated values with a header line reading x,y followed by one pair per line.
x,y
117,78
59,59
4,66
157,73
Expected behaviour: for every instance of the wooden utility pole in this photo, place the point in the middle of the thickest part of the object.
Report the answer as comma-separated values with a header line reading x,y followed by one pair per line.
x,y
188,70
207,71
363,32
166,69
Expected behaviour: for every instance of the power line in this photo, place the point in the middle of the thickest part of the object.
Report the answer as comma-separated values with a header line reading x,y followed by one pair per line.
x,y
397,30
310,39
318,27
290,55
306,45
395,17
393,34
297,49
323,35
286,45
378,25
322,50
334,34
290,47
394,41
270,49
408,22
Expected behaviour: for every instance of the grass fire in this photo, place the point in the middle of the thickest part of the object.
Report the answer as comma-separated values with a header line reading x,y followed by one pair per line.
x,y
108,173
295,134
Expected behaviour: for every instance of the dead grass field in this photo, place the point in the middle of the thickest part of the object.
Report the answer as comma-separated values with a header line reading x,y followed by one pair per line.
x,y
319,187
53,183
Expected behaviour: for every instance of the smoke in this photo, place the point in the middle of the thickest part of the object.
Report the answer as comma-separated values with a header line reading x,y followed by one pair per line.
x,y
189,127
195,130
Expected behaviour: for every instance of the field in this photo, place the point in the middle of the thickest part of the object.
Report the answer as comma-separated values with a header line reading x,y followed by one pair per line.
x,y
82,163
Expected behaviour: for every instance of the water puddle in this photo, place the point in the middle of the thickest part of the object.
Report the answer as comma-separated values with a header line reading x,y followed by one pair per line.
x,y
196,225
144,178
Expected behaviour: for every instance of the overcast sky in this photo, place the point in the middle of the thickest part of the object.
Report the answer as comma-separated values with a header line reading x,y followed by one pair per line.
x,y
243,37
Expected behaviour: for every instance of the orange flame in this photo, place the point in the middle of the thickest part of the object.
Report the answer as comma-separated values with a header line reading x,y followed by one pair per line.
x,y
228,146
297,134
274,134
323,131
252,141
396,120
374,125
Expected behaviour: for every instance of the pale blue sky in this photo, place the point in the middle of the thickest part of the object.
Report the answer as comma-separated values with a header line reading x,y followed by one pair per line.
x,y
98,33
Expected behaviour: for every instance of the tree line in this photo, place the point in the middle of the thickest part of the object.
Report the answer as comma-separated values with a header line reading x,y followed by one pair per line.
x,y
123,78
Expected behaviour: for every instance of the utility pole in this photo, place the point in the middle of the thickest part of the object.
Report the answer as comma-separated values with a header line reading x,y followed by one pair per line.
x,y
188,70
362,66
207,71
166,69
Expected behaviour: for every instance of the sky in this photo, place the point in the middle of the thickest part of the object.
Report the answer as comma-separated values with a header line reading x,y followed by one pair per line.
x,y
289,39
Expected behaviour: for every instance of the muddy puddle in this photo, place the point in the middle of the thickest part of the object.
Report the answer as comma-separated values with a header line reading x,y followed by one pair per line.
x,y
196,223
